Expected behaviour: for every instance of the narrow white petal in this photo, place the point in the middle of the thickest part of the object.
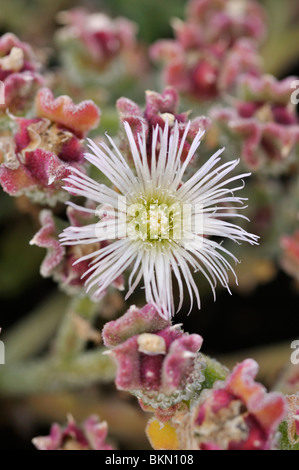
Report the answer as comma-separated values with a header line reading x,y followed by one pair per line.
x,y
159,178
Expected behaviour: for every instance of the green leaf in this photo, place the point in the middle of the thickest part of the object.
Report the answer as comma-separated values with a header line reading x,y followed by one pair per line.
x,y
284,442
213,372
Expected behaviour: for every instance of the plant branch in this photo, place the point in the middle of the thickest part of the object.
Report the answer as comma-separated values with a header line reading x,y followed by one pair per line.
x,y
31,335
50,374
68,343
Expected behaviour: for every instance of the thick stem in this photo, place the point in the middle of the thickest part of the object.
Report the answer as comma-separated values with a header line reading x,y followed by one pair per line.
x,y
32,334
51,374
68,343
67,366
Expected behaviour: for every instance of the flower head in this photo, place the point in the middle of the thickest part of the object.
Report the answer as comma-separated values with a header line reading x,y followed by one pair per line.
x,y
157,362
212,47
19,74
162,225
90,436
236,414
263,119
102,37
38,157
99,49
228,20
239,414
205,73
159,109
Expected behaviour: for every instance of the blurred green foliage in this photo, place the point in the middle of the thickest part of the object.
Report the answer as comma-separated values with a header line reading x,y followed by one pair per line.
x,y
31,18
285,444
35,21
153,17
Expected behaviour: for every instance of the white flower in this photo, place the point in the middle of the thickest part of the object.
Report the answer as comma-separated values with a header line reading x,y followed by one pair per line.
x,y
146,240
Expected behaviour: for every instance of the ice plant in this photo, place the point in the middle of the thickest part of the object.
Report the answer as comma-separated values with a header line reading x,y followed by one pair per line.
x,y
238,414
155,211
227,20
98,49
212,47
293,419
158,109
205,73
18,73
157,362
167,223
263,119
37,158
90,436
102,37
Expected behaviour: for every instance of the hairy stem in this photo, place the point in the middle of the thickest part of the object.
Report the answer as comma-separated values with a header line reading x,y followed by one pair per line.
x,y
32,334
68,343
51,374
